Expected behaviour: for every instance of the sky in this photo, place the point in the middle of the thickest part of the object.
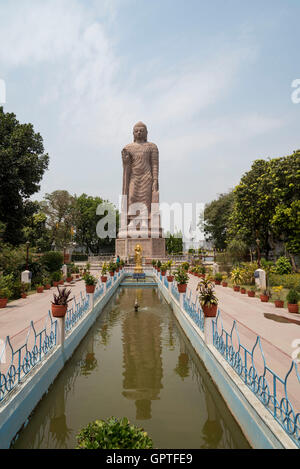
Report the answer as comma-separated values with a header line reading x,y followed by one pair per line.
x,y
211,79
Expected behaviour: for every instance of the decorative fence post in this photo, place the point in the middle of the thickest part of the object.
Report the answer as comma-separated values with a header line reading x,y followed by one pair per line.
x,y
61,333
208,330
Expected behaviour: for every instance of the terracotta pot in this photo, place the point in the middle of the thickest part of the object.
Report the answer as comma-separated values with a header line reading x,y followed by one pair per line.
x,y
182,288
90,289
236,289
55,284
163,274
264,298
77,276
23,296
40,290
170,278
61,282
251,294
48,287
3,302
202,275
104,279
117,270
243,291
59,311
279,304
225,284
69,279
217,282
158,270
210,311
293,308
112,274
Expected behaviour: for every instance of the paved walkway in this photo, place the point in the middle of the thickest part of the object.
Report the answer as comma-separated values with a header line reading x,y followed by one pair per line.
x,y
16,318
255,318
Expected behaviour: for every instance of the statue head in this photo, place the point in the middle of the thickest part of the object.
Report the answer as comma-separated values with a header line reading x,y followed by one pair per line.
x,y
140,132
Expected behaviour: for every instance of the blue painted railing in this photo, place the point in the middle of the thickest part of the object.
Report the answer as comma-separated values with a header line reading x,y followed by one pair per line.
x,y
109,283
175,292
25,358
99,291
195,311
263,384
166,283
76,312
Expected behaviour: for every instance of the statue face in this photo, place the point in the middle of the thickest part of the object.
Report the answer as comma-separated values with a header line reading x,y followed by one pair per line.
x,y
140,134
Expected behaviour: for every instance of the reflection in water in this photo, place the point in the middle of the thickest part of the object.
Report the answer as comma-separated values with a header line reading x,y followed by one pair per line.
x,y
128,362
141,355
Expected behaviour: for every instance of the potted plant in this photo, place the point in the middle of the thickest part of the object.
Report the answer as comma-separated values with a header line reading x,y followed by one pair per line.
x,y
69,275
56,277
279,303
60,303
182,279
252,291
265,296
40,288
112,268
170,277
163,269
90,283
158,266
293,299
237,278
224,281
218,278
5,290
243,291
154,263
208,300
47,283
24,290
122,264
104,272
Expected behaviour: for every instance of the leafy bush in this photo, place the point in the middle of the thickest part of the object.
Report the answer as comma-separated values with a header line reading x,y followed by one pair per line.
x,y
6,286
283,266
113,434
56,276
218,277
53,261
290,281
293,297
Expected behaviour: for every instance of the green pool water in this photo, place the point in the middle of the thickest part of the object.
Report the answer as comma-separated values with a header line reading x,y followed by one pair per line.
x,y
138,365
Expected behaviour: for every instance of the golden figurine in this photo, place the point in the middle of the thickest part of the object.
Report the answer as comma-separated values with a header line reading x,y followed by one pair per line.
x,y
138,259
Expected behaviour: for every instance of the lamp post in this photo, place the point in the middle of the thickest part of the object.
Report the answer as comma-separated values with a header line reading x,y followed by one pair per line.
x,y
27,254
258,252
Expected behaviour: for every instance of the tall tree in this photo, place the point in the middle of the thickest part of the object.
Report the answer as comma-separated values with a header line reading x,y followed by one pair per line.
x,y
86,220
59,207
22,165
216,219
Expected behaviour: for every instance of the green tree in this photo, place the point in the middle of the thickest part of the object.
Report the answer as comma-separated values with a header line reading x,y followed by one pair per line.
x,y
174,243
59,207
216,219
22,165
86,220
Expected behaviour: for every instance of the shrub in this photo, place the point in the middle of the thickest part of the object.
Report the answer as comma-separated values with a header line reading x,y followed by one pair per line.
x,y
113,434
6,286
53,261
207,295
290,281
56,276
218,277
185,266
293,297
283,266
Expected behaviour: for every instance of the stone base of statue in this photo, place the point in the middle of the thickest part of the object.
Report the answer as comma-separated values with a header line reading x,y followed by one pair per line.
x,y
152,248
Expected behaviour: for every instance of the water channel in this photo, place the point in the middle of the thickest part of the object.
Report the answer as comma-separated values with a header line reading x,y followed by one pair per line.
x,y
139,365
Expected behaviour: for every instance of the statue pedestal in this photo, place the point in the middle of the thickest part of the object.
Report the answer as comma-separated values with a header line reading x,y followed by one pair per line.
x,y
152,248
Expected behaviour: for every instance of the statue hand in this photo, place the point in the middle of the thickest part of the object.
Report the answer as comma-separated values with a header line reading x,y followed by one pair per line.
x,y
155,186
126,156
